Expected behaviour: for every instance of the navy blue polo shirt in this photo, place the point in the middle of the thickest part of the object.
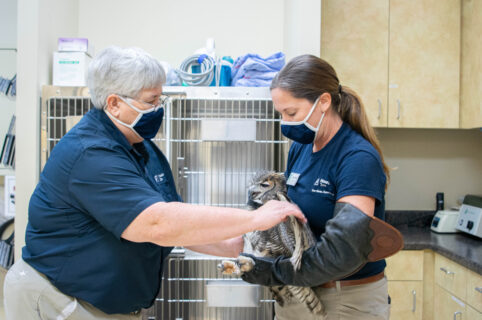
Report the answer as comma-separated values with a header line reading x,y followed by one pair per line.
x,y
347,165
93,186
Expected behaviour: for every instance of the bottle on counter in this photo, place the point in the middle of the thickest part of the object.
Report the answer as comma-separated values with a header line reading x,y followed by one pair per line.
x,y
439,201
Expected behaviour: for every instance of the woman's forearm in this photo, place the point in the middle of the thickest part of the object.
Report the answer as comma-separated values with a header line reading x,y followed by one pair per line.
x,y
227,248
181,224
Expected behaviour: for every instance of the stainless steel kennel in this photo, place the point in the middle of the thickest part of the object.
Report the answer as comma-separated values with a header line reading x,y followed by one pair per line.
x,y
216,139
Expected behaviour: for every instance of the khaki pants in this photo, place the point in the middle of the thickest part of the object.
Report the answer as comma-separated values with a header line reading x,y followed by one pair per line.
x,y
30,295
366,301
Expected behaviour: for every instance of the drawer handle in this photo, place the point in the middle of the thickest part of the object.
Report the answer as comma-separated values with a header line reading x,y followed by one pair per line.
x,y
478,289
414,304
379,108
456,314
448,272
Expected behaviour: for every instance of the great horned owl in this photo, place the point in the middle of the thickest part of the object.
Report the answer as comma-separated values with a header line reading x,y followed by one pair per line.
x,y
289,238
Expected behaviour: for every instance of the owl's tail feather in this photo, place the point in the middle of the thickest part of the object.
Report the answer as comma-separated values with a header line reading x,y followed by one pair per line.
x,y
299,245
307,296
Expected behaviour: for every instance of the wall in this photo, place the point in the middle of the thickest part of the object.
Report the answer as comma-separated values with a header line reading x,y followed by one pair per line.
x,y
302,28
40,23
430,161
173,30
8,23
8,40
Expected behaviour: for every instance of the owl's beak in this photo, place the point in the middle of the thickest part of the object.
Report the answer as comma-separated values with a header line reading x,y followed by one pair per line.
x,y
254,195
258,201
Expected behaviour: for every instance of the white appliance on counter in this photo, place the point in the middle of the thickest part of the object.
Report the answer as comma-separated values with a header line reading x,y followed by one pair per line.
x,y
445,221
470,217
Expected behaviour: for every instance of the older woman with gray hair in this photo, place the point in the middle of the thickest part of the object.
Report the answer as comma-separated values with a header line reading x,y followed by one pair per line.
x,y
105,213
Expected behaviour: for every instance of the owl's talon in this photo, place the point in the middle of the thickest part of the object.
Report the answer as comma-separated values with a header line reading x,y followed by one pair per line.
x,y
245,264
228,267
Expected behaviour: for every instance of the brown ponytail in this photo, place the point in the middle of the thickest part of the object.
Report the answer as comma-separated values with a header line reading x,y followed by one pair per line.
x,y
308,77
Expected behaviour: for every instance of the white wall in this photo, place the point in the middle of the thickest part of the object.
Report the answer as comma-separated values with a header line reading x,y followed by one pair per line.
x,y
302,28
8,63
172,30
8,23
430,161
40,23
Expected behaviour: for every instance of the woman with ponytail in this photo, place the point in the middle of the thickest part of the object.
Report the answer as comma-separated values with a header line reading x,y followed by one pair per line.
x,y
337,176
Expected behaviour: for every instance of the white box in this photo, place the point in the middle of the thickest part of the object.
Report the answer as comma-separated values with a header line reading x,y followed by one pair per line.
x,y
70,69
9,196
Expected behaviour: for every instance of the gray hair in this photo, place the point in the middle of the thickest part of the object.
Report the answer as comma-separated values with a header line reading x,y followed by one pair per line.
x,y
122,71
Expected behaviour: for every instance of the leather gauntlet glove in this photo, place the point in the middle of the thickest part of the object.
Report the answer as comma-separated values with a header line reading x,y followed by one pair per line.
x,y
350,240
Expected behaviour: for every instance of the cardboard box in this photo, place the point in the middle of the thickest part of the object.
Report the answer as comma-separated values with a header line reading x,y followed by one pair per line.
x,y
70,69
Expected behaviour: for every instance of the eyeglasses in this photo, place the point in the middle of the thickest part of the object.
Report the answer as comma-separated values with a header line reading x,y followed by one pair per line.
x,y
163,100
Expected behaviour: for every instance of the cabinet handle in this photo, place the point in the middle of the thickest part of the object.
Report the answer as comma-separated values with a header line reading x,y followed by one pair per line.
x,y
398,109
448,272
478,289
414,304
456,314
379,108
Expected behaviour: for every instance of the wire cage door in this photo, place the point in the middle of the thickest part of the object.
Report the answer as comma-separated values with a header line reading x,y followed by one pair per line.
x,y
218,140
215,139
217,145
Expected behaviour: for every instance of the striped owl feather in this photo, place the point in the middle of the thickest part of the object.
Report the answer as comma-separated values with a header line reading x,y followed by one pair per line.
x,y
289,238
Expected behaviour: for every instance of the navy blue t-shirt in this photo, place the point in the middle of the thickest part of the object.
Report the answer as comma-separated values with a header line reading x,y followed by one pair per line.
x,y
347,165
93,186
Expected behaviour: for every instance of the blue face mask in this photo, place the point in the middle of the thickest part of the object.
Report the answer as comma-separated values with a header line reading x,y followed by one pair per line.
x,y
301,131
147,123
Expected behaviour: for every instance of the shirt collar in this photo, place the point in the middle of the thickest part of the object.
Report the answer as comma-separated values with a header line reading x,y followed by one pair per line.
x,y
110,128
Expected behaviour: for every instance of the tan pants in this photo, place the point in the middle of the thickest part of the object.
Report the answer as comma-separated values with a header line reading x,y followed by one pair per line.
x,y
30,295
366,301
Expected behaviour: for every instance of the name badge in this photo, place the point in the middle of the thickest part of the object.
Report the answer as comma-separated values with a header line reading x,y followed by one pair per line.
x,y
293,179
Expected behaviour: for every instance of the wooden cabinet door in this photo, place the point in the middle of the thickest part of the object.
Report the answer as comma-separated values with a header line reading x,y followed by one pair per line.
x,y
424,64
354,40
472,314
405,265
407,299
447,306
471,65
474,290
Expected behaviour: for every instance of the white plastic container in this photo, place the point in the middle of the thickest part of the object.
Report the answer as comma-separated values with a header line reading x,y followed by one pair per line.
x,y
232,293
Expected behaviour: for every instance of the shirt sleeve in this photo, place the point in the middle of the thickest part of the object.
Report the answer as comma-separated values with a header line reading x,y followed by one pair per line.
x,y
107,185
361,173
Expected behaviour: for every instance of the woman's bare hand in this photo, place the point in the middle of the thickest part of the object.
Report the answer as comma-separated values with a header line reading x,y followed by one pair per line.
x,y
274,212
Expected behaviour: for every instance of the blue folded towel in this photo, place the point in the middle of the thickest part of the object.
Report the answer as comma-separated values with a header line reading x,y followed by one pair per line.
x,y
251,70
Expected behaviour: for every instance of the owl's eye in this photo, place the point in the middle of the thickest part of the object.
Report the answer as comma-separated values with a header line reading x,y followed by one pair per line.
x,y
265,184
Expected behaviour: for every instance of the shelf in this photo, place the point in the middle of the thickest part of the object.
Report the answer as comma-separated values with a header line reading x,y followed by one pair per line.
x,y
7,171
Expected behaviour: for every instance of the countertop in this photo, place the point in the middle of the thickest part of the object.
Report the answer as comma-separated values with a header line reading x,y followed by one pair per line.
x,y
462,248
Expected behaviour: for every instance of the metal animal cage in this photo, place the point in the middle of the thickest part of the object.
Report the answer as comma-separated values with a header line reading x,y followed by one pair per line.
x,y
215,139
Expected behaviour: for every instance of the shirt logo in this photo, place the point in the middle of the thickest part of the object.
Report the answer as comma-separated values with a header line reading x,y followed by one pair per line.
x,y
159,177
321,185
